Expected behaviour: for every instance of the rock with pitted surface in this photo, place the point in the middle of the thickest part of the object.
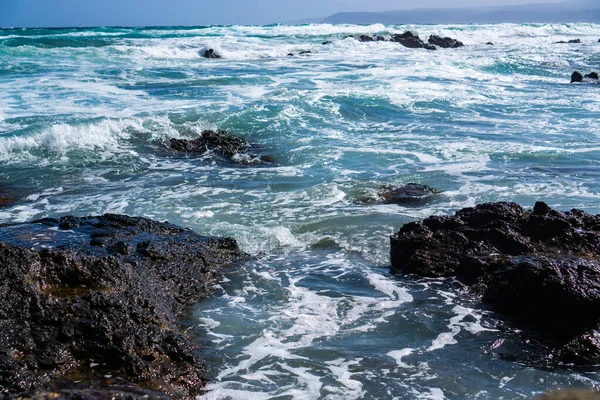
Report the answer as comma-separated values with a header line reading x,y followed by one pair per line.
x,y
445,42
90,307
220,142
539,267
414,193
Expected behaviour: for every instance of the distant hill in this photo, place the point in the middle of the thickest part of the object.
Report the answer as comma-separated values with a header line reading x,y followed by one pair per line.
x,y
570,11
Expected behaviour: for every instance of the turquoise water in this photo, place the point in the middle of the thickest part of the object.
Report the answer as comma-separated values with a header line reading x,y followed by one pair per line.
x,y
85,115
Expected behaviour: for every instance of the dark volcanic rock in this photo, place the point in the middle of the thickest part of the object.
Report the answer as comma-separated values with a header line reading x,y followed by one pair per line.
x,y
574,41
446,42
541,267
489,44
210,53
96,322
220,142
592,75
409,193
576,77
365,38
326,42
408,39
223,144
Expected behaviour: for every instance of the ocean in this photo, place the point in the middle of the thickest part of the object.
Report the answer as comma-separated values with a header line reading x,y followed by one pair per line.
x,y
86,115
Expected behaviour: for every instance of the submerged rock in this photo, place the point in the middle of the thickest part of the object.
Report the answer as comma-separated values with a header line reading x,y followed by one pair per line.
x,y
365,38
82,321
538,267
445,43
6,199
409,193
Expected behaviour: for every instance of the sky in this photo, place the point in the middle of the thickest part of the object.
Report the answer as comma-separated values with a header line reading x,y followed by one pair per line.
x,y
52,13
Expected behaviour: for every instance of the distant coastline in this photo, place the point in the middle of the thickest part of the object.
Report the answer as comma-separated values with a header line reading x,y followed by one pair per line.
x,y
565,12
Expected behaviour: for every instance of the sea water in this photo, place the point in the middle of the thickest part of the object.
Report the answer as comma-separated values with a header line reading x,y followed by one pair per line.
x,y
314,313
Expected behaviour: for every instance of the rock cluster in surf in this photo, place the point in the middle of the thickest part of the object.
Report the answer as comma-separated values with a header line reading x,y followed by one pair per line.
x,y
541,267
410,40
95,316
578,77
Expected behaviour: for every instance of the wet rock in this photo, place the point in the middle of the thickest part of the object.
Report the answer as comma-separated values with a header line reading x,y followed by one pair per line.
x,y
489,44
576,77
540,268
221,142
365,38
409,193
88,322
574,41
445,43
408,39
326,42
210,53
380,38
592,75
290,54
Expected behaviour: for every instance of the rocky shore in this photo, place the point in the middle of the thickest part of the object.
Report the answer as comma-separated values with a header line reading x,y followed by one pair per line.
x,y
92,307
539,268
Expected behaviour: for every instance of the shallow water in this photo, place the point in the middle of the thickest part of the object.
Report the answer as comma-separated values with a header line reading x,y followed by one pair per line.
x,y
85,114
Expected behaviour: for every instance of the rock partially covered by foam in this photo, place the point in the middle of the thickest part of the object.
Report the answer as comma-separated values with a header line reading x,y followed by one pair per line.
x,y
410,40
539,267
578,77
210,53
221,143
89,307
445,42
